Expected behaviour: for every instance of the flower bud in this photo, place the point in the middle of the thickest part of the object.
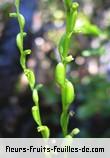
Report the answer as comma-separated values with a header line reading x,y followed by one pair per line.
x,y
74,132
13,15
44,130
69,59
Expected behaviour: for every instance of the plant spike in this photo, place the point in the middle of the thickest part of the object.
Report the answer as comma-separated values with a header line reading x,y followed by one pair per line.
x,y
67,89
29,73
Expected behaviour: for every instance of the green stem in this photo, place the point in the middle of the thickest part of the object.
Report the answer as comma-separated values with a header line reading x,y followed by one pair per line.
x,y
43,129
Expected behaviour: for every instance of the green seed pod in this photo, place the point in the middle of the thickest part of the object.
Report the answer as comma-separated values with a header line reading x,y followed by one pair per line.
x,y
22,20
44,130
31,77
68,94
36,114
60,74
19,41
35,96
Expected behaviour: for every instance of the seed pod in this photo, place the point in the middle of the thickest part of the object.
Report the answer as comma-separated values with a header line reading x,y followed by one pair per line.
x,y
36,114
68,94
35,96
22,19
19,41
30,77
60,74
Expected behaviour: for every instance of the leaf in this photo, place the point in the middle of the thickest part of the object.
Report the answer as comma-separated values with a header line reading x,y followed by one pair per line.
x,y
93,52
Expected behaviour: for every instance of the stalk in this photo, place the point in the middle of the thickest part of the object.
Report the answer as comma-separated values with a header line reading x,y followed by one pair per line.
x,y
66,87
28,72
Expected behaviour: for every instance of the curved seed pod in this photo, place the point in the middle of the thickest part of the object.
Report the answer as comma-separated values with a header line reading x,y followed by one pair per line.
x,y
35,96
22,20
44,130
19,41
69,94
60,74
31,77
36,114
